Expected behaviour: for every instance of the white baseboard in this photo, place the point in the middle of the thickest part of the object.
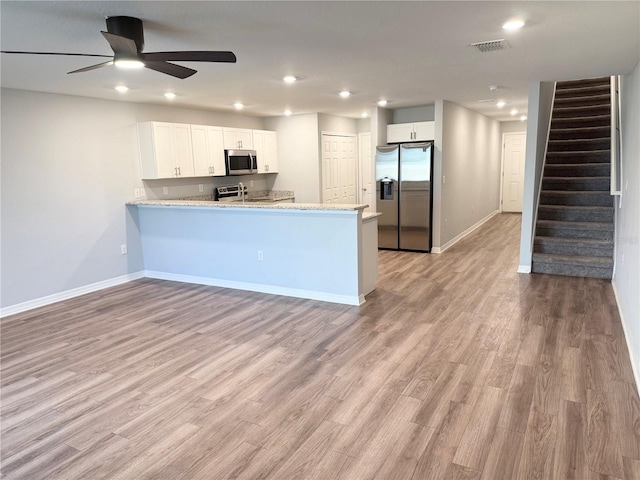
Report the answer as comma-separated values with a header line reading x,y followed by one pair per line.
x,y
67,294
257,287
524,268
635,365
460,236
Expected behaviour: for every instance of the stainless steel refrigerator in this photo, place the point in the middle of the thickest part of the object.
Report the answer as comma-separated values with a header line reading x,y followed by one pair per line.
x,y
404,196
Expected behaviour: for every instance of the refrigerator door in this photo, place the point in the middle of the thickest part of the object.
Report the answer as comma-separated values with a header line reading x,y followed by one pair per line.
x,y
387,195
415,196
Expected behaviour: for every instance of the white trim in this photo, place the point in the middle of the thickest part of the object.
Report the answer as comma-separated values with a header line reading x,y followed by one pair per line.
x,y
460,236
67,294
257,287
635,362
524,268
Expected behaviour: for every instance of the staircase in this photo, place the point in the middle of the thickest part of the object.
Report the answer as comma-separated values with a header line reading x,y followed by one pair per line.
x,y
574,230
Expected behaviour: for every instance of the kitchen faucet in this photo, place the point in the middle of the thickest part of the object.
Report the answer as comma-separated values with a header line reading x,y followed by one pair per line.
x,y
241,191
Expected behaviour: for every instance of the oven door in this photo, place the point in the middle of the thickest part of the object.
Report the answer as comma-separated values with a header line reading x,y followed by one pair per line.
x,y
241,162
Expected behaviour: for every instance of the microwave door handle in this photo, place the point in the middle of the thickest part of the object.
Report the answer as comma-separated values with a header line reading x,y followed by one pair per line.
x,y
252,161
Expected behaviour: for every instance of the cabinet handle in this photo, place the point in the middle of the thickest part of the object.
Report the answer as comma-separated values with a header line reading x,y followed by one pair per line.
x,y
266,168
179,171
175,171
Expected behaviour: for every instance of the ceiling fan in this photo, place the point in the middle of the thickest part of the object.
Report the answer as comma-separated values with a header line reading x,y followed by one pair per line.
x,y
126,38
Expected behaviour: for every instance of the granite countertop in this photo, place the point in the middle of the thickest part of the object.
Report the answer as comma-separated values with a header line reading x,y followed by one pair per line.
x,y
370,215
272,205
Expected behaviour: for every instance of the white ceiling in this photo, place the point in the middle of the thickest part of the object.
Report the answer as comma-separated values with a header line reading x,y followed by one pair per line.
x,y
410,53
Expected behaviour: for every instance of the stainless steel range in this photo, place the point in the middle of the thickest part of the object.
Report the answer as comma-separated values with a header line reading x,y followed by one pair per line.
x,y
230,193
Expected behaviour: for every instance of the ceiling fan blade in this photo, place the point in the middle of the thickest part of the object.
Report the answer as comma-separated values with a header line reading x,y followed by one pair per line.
x,y
194,56
93,67
170,69
57,53
121,45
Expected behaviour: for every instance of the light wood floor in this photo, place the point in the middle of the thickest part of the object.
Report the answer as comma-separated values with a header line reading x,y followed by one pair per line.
x,y
456,367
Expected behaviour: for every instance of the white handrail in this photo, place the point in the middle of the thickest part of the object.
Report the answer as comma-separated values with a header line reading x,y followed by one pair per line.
x,y
616,137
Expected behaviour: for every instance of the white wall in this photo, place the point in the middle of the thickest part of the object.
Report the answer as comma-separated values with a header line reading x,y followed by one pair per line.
x,y
336,124
298,156
626,280
540,104
425,113
509,127
468,156
69,164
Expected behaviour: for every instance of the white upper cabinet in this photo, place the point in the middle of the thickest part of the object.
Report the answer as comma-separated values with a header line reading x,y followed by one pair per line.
x,y
208,151
165,150
237,138
265,143
410,132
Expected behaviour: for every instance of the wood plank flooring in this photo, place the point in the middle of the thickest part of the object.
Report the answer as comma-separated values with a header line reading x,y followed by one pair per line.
x,y
456,367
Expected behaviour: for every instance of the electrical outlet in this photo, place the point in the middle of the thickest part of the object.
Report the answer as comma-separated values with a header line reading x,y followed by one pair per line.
x,y
143,193
200,188
443,180
165,190
445,222
473,209
251,183
136,193
260,256
123,249
622,259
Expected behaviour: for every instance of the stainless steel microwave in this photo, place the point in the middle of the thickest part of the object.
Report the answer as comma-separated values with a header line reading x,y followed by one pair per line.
x,y
241,162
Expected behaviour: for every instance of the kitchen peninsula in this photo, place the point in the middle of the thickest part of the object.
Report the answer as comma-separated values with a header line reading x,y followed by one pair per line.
x,y
318,251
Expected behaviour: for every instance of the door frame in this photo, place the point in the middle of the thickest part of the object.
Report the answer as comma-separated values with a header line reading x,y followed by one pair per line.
x,y
360,179
504,144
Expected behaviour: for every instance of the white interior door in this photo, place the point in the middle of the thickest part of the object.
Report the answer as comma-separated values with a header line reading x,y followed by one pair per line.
x,y
339,170
366,171
513,171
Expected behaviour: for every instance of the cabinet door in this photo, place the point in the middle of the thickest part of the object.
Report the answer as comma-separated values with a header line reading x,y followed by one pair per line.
x,y
258,141
238,138
400,132
424,130
183,153
163,150
245,136
271,149
216,151
200,147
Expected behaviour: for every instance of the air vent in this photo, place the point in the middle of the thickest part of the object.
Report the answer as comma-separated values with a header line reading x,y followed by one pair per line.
x,y
491,45
487,100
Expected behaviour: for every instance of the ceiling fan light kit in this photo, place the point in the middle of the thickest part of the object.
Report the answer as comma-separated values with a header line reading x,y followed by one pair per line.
x,y
126,38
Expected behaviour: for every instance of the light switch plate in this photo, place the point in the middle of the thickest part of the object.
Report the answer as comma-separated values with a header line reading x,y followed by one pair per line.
x,y
165,190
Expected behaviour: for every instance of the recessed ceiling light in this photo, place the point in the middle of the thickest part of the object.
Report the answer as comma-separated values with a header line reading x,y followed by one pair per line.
x,y
289,79
523,118
238,106
493,88
345,94
500,104
122,88
382,102
129,64
364,114
515,24
287,112
169,95
514,111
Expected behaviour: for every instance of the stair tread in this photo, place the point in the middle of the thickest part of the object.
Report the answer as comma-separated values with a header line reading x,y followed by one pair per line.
x,y
578,207
577,165
554,258
595,177
569,223
574,241
578,192
579,140
578,152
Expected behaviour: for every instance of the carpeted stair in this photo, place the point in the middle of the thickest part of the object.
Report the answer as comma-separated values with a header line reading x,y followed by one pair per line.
x,y
574,230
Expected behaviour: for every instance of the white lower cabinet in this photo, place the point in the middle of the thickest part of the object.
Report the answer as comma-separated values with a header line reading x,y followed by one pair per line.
x,y
165,150
208,151
265,143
